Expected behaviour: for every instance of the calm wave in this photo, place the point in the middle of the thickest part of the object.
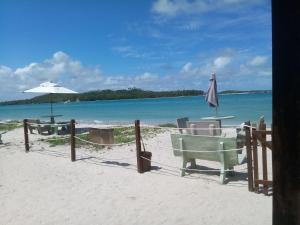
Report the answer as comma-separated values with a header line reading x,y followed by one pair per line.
x,y
160,110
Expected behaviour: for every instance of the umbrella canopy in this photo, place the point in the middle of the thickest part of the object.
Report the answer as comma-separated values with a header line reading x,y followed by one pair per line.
x,y
50,88
212,93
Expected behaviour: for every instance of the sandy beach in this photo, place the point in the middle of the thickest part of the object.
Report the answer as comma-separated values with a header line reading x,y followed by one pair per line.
x,y
103,187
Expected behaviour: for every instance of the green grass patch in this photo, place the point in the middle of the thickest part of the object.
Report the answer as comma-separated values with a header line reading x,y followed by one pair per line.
x,y
121,135
168,125
10,126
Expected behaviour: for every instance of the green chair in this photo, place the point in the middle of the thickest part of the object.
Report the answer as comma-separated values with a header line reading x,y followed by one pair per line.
x,y
191,147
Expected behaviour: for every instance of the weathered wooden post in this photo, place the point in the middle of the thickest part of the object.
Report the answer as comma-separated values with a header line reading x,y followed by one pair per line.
x,y
26,138
249,156
72,140
264,158
255,157
286,111
138,146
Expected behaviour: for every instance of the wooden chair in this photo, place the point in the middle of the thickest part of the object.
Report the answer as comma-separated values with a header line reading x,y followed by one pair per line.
x,y
35,124
195,144
182,123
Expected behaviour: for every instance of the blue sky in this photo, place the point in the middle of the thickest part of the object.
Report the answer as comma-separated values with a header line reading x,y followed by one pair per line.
x,y
154,45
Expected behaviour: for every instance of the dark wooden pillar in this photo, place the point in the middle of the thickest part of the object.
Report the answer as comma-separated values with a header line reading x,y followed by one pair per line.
x,y
26,138
73,141
138,146
286,111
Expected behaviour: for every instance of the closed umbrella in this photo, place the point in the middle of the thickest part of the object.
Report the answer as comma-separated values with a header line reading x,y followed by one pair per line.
x,y
212,93
50,88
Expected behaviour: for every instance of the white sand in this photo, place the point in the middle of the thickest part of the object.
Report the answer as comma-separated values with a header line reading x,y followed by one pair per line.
x,y
45,187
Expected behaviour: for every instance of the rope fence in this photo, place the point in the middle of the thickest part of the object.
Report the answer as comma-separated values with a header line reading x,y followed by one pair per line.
x,y
212,151
97,144
143,157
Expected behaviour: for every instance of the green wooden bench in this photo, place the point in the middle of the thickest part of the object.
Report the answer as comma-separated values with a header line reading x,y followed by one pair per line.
x,y
192,147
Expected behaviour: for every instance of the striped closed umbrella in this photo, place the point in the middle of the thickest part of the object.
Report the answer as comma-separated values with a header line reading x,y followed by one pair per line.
x,y
212,93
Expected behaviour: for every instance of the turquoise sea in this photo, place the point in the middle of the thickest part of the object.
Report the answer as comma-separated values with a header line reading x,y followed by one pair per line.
x,y
153,111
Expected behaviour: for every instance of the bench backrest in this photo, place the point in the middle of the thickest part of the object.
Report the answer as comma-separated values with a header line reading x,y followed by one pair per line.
x,y
206,125
205,143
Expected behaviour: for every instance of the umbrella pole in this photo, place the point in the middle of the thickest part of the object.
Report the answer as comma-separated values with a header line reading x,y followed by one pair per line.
x,y
51,116
51,107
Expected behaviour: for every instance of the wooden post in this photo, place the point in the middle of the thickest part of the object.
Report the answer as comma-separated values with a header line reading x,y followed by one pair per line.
x,y
72,140
286,111
255,158
138,146
264,158
25,125
249,157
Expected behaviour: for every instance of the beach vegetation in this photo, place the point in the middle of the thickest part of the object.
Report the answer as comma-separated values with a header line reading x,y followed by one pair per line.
x,y
10,126
172,125
121,135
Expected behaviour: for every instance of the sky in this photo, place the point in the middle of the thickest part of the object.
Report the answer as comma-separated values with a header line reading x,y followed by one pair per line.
x,y
153,45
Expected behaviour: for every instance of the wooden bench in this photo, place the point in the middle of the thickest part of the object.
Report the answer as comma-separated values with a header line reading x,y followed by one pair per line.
x,y
189,147
35,124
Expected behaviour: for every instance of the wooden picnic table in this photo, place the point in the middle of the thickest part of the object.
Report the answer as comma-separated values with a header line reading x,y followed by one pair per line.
x,y
52,117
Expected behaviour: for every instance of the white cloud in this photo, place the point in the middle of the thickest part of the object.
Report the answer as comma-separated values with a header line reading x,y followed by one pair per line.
x,y
188,69
128,51
221,62
192,25
60,68
74,74
258,61
173,8
146,77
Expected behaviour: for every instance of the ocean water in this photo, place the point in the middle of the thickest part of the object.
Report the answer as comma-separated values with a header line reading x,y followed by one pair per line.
x,y
152,111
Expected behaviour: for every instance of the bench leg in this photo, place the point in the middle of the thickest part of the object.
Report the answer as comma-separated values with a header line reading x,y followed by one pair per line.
x,y
184,162
222,161
222,175
193,163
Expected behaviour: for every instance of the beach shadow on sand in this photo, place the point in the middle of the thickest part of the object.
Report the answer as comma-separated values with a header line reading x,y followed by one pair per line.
x,y
230,176
231,179
90,159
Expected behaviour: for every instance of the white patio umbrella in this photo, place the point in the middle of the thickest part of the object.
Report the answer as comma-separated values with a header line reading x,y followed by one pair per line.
x,y
50,88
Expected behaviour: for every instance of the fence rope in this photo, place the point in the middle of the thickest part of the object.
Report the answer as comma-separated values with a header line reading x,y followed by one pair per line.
x,y
189,128
55,138
49,124
179,168
104,126
93,143
213,151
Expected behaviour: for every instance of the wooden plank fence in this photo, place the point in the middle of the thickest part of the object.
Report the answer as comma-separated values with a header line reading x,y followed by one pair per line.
x,y
255,136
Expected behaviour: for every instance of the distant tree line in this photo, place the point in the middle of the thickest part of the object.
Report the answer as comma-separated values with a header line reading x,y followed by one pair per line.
x,y
132,93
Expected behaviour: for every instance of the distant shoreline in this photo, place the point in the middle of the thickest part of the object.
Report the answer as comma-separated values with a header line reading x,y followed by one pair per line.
x,y
141,94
